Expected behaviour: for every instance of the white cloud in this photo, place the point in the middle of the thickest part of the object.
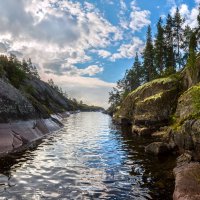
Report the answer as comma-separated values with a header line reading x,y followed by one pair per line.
x,y
139,18
57,35
102,53
91,90
45,31
190,16
128,50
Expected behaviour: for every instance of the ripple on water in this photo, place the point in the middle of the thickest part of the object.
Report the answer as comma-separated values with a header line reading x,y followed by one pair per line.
x,y
89,158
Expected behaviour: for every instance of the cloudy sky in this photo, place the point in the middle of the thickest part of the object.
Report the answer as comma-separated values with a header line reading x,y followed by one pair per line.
x,y
84,46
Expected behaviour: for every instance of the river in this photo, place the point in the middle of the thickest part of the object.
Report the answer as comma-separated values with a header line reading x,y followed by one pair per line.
x,y
89,158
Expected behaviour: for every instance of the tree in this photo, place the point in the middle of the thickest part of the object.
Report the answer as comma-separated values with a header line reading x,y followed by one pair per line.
x,y
178,37
148,58
159,48
170,65
186,43
198,28
192,51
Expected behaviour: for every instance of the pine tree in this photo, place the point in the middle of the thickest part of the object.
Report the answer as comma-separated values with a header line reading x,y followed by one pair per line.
x,y
192,51
178,37
133,77
160,48
186,43
148,58
170,65
198,28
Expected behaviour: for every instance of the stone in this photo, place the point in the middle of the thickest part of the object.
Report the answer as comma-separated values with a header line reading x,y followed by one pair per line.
x,y
141,131
157,148
184,158
151,105
187,182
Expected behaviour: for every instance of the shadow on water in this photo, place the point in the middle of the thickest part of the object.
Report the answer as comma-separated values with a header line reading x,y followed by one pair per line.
x,y
156,171
90,158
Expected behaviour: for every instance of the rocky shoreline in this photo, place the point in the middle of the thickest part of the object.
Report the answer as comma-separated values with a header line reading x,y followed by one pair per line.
x,y
170,108
16,136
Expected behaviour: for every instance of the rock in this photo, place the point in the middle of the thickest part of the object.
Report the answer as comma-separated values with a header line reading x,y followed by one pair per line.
x,y
141,131
46,99
187,138
149,105
17,134
14,105
157,148
188,103
184,158
187,182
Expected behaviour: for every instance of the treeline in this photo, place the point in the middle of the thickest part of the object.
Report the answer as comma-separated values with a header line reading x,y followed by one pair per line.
x,y
174,46
15,70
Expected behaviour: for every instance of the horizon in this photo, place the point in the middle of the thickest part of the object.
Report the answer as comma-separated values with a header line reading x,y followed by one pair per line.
x,y
83,46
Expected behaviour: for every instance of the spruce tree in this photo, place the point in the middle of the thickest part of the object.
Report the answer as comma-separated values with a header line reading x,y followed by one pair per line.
x,y
160,48
192,51
198,28
170,65
186,43
134,75
178,37
148,58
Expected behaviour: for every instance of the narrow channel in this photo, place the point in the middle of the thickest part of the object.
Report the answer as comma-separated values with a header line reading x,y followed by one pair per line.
x,y
89,158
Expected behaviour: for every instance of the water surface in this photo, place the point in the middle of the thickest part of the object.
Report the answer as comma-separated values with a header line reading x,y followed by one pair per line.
x,y
90,158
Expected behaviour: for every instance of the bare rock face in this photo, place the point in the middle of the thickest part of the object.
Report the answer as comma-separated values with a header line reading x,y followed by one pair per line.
x,y
157,148
152,104
46,99
187,182
14,105
186,132
18,134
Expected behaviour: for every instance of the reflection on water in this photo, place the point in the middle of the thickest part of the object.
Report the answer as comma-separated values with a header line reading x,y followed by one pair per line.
x,y
89,158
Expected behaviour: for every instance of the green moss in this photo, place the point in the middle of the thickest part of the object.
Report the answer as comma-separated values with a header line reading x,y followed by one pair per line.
x,y
153,97
169,79
195,92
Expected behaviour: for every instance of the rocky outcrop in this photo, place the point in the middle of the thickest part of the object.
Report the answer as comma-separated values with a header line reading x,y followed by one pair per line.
x,y
185,132
44,98
151,105
157,148
14,105
17,135
187,182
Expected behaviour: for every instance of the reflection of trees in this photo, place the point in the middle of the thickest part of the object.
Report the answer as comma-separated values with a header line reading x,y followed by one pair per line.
x,y
151,172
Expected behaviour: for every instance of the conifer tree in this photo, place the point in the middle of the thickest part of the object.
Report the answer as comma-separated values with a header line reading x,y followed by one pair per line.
x,y
192,51
170,65
160,48
178,37
186,43
148,58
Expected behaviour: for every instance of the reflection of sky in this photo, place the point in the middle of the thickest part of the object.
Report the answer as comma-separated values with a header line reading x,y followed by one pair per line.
x,y
85,158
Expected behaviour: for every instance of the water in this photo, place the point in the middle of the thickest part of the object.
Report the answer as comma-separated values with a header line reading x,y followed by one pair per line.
x,y
90,158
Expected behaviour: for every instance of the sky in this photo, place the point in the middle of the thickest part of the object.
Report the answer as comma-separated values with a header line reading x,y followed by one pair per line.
x,y
84,46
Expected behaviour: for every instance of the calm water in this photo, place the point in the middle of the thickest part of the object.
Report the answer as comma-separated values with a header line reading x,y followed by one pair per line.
x,y
90,158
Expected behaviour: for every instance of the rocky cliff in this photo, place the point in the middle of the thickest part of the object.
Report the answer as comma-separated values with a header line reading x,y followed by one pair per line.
x,y
34,99
171,106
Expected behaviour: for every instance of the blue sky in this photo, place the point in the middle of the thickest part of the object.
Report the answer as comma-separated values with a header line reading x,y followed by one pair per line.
x,y
85,46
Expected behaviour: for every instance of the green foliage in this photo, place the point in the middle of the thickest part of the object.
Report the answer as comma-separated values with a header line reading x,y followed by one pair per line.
x,y
178,34
148,58
13,70
159,48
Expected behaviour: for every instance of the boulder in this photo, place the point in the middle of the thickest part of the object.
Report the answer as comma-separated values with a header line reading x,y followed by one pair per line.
x,y
187,182
157,148
152,104
142,131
